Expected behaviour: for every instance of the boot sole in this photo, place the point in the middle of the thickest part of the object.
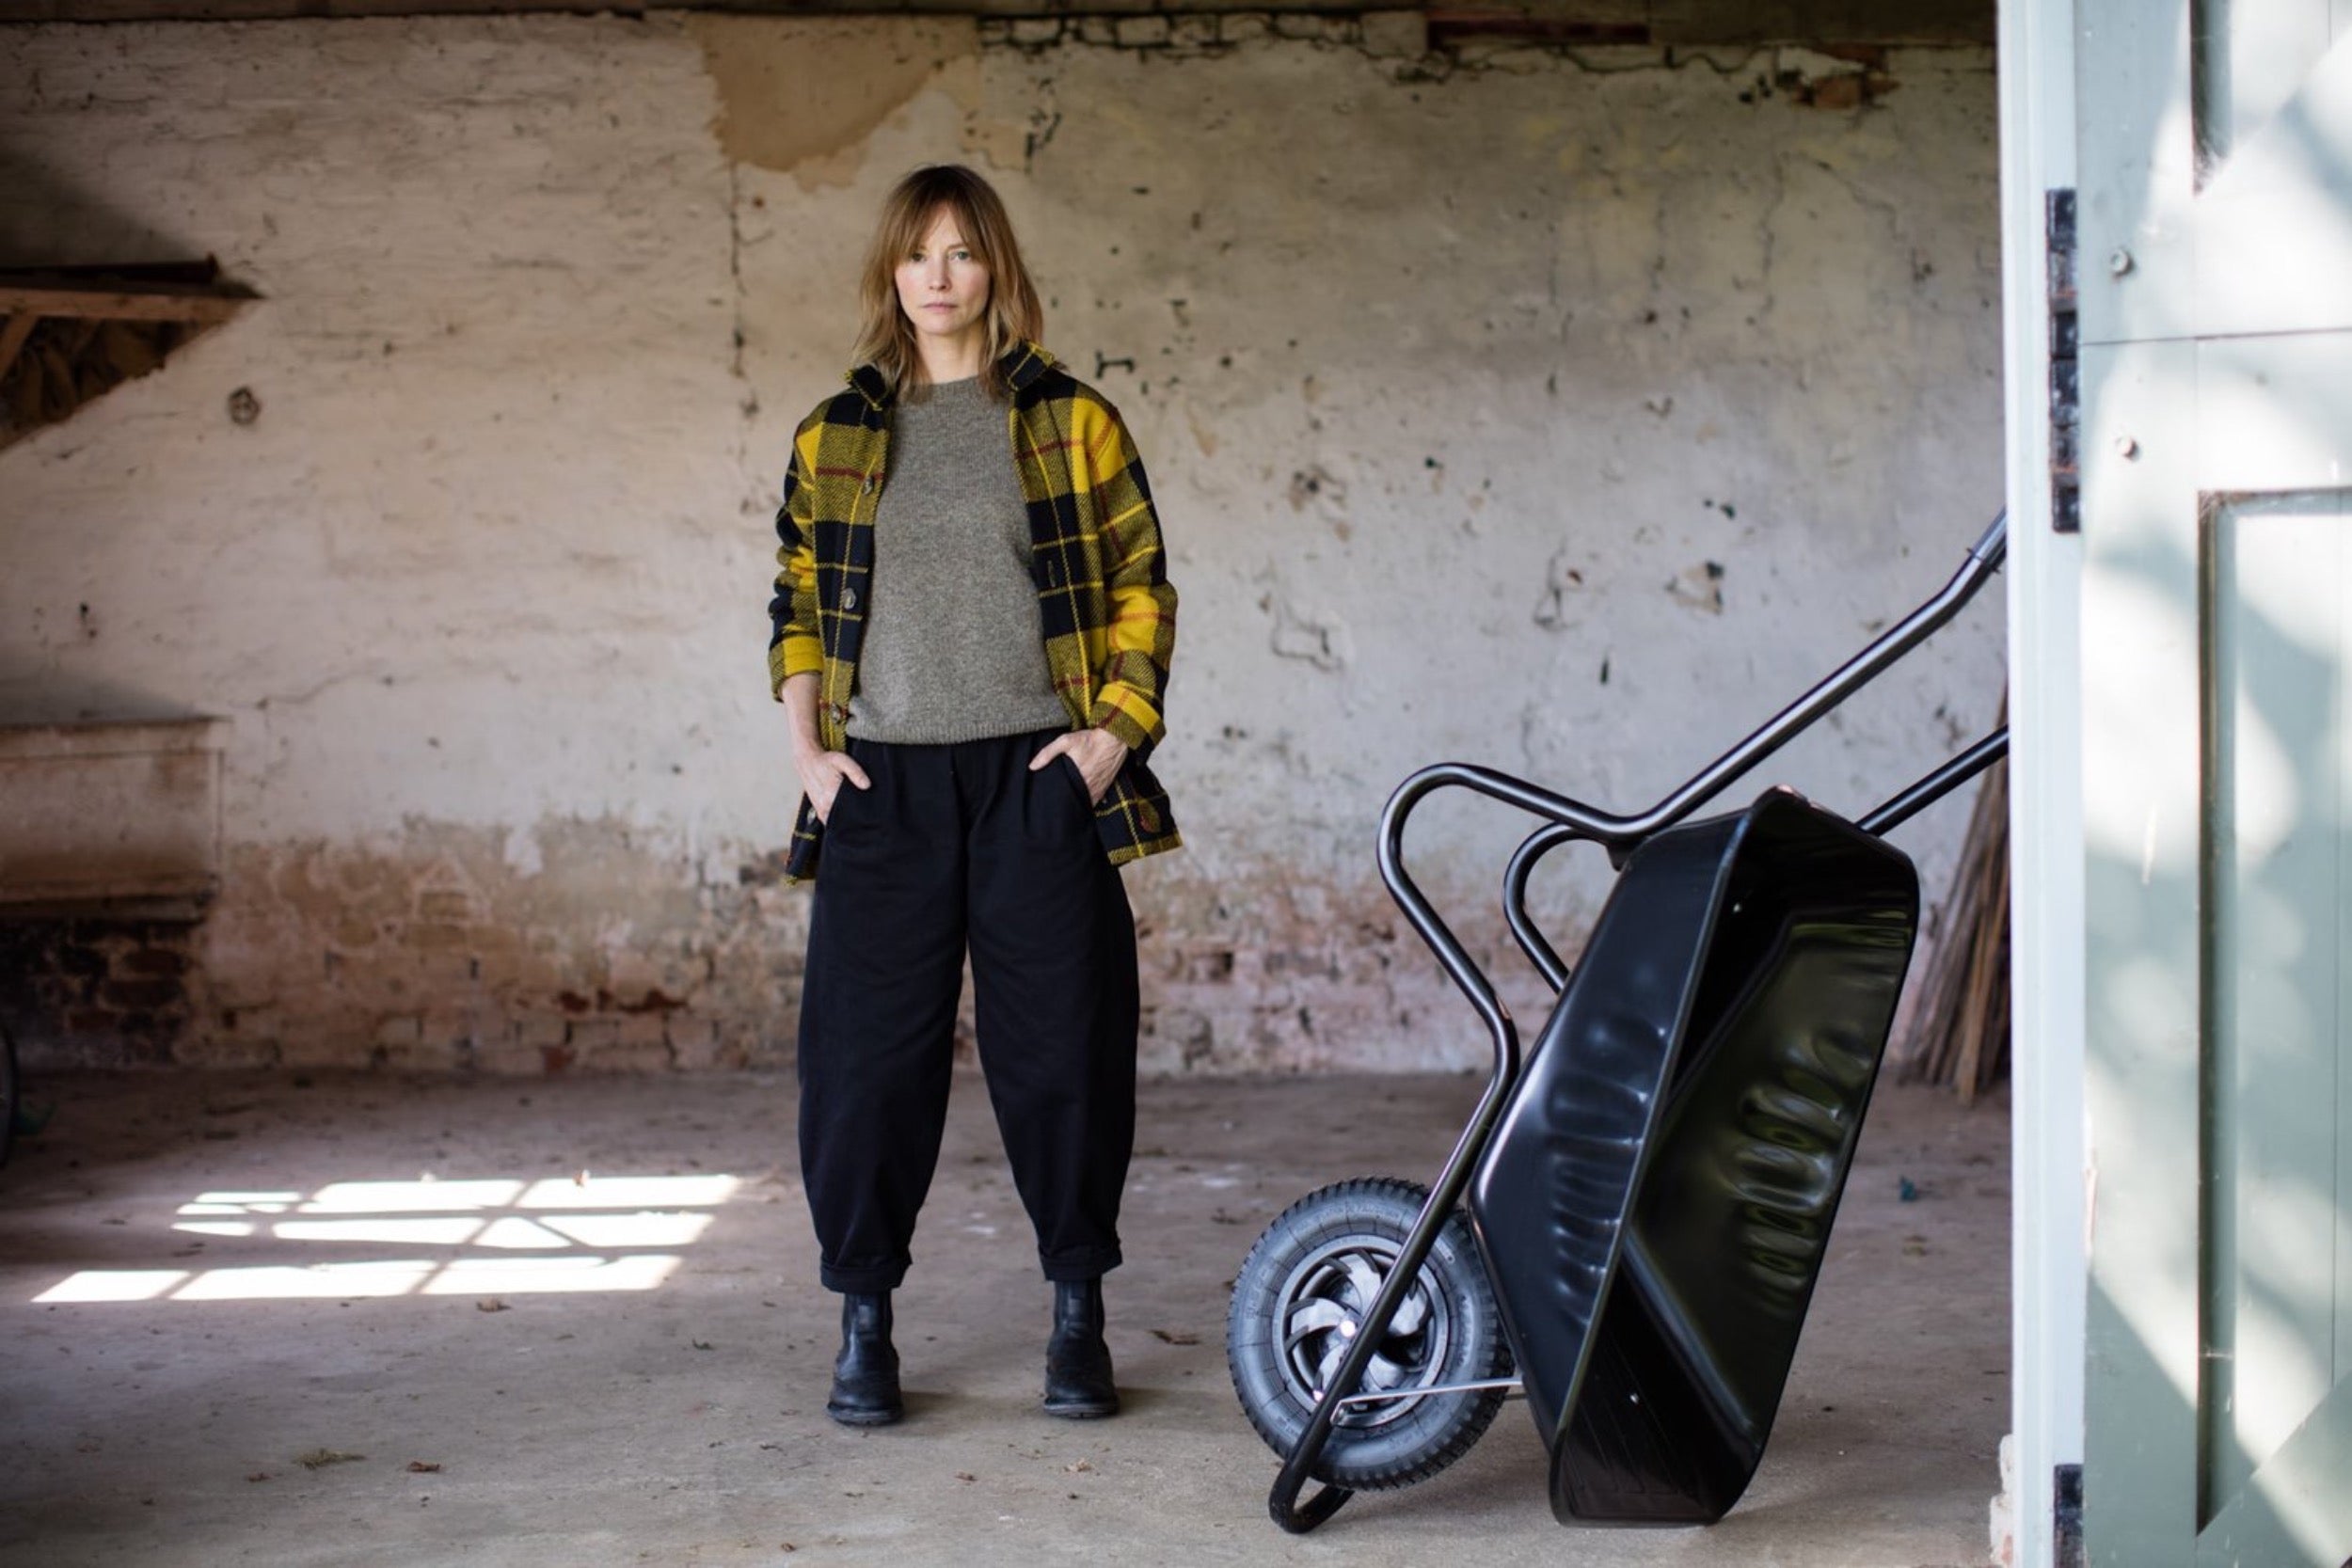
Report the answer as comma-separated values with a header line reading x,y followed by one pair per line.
x,y
853,1417
1090,1410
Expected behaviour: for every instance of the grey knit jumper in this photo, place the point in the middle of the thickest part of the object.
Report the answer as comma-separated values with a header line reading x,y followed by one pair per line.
x,y
953,648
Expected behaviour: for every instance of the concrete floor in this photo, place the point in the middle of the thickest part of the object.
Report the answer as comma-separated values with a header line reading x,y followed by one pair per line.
x,y
531,1370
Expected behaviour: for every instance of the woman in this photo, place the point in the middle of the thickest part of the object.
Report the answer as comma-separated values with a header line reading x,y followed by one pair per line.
x,y
972,633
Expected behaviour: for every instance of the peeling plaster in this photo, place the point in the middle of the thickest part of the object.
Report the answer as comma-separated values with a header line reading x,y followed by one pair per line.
x,y
802,97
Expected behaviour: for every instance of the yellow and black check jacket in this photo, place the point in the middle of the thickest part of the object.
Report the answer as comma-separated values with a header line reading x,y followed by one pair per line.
x,y
1107,610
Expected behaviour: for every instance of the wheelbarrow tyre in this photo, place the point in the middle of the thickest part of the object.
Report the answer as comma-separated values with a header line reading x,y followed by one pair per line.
x,y
1313,1271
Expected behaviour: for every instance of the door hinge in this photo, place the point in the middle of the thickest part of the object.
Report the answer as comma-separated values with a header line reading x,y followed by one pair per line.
x,y
2066,1508
2066,405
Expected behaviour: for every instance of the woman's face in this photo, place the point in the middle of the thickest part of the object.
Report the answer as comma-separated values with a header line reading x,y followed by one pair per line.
x,y
942,286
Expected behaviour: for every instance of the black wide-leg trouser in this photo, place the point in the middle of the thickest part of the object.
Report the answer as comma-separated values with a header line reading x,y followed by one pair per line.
x,y
957,844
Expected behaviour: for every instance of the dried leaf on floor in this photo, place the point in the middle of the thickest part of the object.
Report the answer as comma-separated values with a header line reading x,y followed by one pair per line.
x,y
423,1467
1176,1335
1081,1467
489,1303
318,1459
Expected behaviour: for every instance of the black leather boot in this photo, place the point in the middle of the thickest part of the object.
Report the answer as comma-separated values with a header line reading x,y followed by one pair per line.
x,y
1078,1382
865,1373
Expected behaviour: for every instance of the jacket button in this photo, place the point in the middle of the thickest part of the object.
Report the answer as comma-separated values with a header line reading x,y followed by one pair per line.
x,y
869,484
1149,817
849,598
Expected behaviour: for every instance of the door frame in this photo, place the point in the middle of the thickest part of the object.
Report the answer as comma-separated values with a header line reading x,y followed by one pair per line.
x,y
2049,1258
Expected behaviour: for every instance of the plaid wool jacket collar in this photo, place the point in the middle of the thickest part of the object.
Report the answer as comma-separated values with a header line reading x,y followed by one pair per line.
x,y
1105,607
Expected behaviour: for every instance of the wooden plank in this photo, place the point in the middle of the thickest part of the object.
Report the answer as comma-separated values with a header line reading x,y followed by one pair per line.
x,y
2144,930
1921,21
12,337
146,305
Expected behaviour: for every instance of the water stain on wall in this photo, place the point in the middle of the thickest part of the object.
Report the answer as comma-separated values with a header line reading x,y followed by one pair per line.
x,y
801,96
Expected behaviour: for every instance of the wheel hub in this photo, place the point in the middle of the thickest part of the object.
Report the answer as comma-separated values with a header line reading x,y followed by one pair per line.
x,y
1321,1310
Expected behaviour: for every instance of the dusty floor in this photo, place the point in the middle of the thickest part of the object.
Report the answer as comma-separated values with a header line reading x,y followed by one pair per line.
x,y
206,1282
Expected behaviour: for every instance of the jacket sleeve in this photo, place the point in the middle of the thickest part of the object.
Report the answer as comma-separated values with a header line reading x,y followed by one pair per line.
x,y
793,645
1131,677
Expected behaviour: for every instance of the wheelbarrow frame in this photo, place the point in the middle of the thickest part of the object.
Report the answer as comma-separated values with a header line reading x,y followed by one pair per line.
x,y
1566,822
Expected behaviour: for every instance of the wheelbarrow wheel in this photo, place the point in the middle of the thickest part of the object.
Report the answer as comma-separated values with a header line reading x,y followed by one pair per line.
x,y
1298,1300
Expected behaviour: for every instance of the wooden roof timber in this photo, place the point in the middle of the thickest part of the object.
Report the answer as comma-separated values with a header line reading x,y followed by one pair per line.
x,y
1656,22
22,304
151,302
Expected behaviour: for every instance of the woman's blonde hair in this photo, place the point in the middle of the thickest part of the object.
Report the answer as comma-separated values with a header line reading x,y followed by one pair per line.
x,y
885,337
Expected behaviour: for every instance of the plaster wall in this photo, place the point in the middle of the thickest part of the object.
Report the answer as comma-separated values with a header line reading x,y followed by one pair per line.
x,y
1565,410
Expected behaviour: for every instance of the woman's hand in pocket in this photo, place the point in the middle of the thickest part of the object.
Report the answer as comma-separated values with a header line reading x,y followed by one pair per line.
x,y
823,773
1099,754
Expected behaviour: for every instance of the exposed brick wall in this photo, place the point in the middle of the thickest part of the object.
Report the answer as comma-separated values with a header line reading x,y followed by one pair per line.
x,y
97,992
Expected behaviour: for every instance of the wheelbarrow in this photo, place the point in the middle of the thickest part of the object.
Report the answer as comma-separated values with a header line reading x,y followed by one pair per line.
x,y
1630,1229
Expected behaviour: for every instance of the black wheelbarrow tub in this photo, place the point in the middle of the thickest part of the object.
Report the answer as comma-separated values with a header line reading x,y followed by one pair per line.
x,y
1656,1201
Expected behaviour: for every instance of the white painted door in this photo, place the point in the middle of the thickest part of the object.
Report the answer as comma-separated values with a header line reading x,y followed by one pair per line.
x,y
2214,169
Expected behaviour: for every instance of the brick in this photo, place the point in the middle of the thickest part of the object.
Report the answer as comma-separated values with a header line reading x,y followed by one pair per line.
x,y
1292,25
141,995
250,1024
224,1052
1035,31
1102,31
506,1058
1243,26
435,935
1192,32
320,1048
536,1030
693,1043
428,1056
1142,32
636,1058
151,960
591,1037
399,1034
446,904
643,1029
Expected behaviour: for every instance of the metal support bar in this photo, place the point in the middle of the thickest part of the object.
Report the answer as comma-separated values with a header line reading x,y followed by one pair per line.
x,y
1508,1385
1533,942
1919,796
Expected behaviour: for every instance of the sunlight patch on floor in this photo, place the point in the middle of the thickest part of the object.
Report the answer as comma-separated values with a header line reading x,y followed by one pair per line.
x,y
577,1234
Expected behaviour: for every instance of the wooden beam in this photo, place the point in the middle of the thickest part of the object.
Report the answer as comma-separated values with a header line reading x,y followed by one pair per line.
x,y
1665,22
12,337
23,303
